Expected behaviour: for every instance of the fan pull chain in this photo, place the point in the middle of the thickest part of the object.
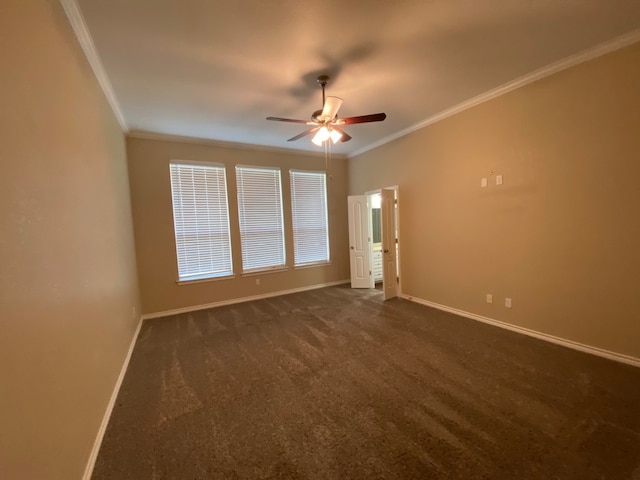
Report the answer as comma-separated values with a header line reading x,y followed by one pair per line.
x,y
327,159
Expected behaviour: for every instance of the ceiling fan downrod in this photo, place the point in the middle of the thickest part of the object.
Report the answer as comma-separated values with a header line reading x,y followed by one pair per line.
x,y
323,80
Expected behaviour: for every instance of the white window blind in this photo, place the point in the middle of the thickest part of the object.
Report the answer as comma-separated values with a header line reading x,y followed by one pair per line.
x,y
201,221
260,215
309,211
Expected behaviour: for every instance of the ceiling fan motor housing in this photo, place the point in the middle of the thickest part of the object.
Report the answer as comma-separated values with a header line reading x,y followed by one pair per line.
x,y
326,119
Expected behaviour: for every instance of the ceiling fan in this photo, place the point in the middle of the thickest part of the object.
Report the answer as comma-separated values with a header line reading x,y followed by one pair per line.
x,y
325,123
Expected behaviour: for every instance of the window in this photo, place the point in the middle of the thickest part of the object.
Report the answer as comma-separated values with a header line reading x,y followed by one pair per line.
x,y
201,221
309,211
260,215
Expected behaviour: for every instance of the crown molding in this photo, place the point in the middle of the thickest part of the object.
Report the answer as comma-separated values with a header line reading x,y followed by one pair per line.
x,y
144,135
79,27
551,69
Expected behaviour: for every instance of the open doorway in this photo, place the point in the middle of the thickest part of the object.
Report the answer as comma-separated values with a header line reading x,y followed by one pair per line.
x,y
384,245
373,232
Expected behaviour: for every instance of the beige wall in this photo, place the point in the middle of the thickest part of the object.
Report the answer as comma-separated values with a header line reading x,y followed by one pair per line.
x,y
68,280
153,219
561,236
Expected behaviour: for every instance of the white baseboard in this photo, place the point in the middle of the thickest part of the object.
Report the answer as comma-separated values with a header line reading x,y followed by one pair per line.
x,y
232,301
618,357
88,471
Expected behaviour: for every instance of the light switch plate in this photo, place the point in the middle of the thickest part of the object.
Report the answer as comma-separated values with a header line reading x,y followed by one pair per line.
x,y
507,302
498,179
483,182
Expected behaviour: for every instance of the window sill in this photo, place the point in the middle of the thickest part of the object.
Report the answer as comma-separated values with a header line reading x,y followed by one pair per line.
x,y
202,280
312,265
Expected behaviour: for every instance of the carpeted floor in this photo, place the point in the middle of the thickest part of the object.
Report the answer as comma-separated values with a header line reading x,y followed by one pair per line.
x,y
336,384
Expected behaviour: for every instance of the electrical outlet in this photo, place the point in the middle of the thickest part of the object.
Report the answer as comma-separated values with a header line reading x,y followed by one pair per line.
x,y
483,182
489,298
498,179
507,302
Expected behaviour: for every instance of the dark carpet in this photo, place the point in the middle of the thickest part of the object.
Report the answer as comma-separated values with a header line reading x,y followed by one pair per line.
x,y
336,384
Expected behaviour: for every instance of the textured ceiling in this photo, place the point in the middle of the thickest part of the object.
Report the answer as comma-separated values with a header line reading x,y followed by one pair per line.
x,y
214,69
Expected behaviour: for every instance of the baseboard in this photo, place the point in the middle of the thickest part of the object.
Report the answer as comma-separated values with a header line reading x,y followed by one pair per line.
x,y
88,471
232,301
618,357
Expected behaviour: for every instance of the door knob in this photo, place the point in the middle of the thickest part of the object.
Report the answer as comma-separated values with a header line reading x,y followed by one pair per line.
x,y
351,248
386,250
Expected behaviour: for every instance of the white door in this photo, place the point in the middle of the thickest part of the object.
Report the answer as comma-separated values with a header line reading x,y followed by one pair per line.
x,y
388,221
359,241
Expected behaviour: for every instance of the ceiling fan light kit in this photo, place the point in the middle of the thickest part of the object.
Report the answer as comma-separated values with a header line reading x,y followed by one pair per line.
x,y
324,122
326,133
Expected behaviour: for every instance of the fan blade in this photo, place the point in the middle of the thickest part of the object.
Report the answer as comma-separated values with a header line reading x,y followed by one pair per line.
x,y
291,120
374,117
345,136
331,107
303,134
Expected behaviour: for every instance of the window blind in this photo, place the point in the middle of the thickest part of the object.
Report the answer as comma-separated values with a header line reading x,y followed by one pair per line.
x,y
201,221
261,219
309,211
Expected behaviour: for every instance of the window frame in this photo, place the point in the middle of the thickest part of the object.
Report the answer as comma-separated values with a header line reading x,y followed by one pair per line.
x,y
280,228
326,231
223,203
